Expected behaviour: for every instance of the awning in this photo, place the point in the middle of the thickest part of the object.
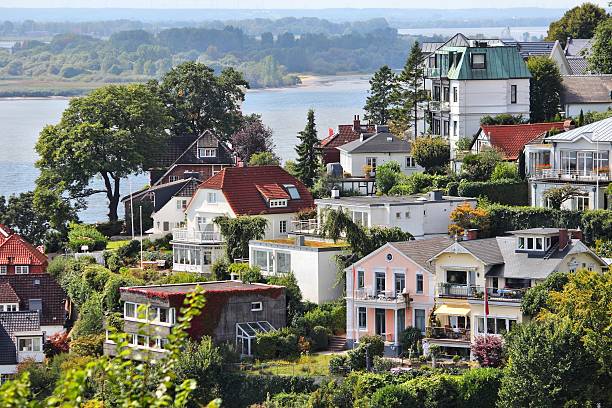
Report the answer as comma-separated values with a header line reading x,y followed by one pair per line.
x,y
452,310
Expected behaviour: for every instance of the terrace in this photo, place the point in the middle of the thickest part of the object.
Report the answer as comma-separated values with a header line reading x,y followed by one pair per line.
x,y
451,290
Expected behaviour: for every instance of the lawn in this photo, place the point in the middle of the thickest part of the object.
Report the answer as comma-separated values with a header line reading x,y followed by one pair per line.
x,y
112,245
311,365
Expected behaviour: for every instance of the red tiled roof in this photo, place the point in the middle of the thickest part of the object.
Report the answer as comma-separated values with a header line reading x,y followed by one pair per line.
x,y
240,188
21,252
272,191
5,232
7,293
345,134
511,139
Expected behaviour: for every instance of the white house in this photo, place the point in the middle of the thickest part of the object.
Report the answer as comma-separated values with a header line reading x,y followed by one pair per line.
x,y
374,149
420,215
586,93
469,79
266,191
311,260
580,157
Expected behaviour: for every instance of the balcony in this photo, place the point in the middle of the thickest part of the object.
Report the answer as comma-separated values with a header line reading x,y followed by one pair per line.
x,y
306,227
381,297
432,72
543,173
439,106
198,237
477,292
447,333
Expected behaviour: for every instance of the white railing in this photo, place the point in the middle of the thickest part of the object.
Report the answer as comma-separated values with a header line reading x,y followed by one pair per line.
x,y
182,234
181,267
433,72
379,296
439,106
603,174
309,227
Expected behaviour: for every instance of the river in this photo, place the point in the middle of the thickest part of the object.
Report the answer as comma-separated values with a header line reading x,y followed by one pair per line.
x,y
334,99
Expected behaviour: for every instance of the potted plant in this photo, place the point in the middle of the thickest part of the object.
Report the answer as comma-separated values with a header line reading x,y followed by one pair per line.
x,y
367,171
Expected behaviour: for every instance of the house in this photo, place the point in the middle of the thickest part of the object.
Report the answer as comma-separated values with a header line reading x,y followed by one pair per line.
x,y
345,134
18,256
510,140
504,267
234,313
391,289
373,149
576,52
579,156
311,260
21,339
266,191
420,215
586,93
550,49
469,79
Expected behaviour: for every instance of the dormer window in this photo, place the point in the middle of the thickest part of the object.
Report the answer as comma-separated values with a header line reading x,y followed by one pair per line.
x,y
533,243
479,61
278,203
206,152
293,191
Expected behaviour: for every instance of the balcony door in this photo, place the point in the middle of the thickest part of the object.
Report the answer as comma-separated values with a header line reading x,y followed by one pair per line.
x,y
585,163
380,282
380,322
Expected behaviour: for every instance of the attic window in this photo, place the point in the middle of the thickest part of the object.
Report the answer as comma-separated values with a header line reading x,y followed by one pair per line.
x,y
293,191
479,61
278,203
207,152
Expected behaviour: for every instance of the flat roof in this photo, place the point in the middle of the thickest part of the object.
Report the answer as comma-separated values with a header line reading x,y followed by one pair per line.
x,y
375,201
307,243
536,231
184,288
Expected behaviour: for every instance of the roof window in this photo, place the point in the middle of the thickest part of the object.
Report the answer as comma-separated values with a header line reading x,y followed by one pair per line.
x,y
293,191
479,61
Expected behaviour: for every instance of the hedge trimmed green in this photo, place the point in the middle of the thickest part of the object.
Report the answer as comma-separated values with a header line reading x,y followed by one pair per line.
x,y
509,192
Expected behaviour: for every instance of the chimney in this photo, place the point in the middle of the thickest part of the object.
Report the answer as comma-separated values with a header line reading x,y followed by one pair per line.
x,y
335,192
568,124
300,240
563,238
330,132
435,195
356,124
470,234
576,234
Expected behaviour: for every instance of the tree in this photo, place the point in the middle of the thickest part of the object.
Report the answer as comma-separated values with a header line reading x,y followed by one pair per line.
x,y
505,171
544,89
238,232
264,159
19,214
198,100
252,137
600,59
488,350
295,307
409,93
387,175
432,153
113,132
502,119
537,297
465,217
307,164
578,22
480,166
379,100
556,196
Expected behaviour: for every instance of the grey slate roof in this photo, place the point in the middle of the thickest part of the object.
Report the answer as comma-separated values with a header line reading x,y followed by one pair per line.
x,y
11,323
430,47
420,251
486,250
600,130
532,48
381,201
586,89
577,47
578,65
383,142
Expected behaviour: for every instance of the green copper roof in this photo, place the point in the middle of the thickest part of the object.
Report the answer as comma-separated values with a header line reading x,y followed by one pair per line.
x,y
501,63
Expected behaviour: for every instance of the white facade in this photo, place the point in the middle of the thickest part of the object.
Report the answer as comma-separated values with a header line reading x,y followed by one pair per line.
x,y
314,267
353,163
573,109
170,216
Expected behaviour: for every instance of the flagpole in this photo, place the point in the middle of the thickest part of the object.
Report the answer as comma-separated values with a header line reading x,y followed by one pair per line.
x,y
486,310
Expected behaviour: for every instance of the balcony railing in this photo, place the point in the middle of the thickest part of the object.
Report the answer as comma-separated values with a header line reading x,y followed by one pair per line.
x,y
477,292
603,174
306,227
196,236
433,72
448,333
387,296
439,106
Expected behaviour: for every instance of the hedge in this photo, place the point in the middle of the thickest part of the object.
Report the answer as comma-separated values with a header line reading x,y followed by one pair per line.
x,y
276,344
243,390
509,192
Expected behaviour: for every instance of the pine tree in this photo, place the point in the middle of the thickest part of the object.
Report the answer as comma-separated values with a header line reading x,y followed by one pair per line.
x,y
307,163
379,101
409,93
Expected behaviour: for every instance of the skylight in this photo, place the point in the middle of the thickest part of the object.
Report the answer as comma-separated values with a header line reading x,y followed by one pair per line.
x,y
293,191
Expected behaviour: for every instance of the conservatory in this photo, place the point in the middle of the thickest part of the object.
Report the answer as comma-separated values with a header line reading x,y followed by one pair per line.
x,y
246,333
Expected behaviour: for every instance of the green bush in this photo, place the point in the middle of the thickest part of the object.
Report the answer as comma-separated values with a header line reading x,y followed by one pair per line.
x,y
276,344
410,339
393,396
243,390
319,338
382,365
109,229
219,271
90,345
130,250
435,391
112,260
480,166
479,387
339,364
505,170
83,234
91,316
374,345
288,400
453,188
509,192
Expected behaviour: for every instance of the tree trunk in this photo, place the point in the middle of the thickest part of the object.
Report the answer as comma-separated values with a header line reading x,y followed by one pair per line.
x,y
112,194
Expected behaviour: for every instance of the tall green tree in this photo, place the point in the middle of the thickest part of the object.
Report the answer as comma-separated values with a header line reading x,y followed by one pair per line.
x,y
379,100
111,133
432,153
307,163
199,100
409,93
19,214
579,22
238,232
544,89
600,60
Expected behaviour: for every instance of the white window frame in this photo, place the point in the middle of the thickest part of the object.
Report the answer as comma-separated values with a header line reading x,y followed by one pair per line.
x,y
279,203
371,161
22,269
410,162
181,203
513,94
204,152
172,179
416,283
211,197
9,307
481,65
35,344
361,309
3,269
282,226
256,306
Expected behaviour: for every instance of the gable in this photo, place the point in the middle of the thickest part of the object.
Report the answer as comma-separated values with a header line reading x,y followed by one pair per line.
x,y
207,140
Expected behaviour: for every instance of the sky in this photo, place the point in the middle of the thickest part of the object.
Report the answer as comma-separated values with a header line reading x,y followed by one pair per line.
x,y
295,4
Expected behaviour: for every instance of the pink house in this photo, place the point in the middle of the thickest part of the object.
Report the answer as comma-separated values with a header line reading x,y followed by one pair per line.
x,y
391,289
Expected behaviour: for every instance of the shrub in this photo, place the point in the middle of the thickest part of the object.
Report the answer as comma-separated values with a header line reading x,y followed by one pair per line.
x,y
58,266
387,176
374,345
276,344
339,364
320,338
478,387
536,298
41,377
508,192
435,391
505,171
488,351
465,217
432,153
246,273
480,166
392,396
288,400
243,390
219,269
112,260
89,345
410,339
80,235
109,229
90,319
56,343
130,250
382,365
453,188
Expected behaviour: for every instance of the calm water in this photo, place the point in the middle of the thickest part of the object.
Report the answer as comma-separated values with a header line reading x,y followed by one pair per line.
x,y
489,32
334,99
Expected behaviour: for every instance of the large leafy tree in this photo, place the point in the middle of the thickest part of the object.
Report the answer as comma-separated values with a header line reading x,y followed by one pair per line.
x,y
238,232
199,100
480,166
600,60
544,89
387,176
432,153
579,22
558,195
252,137
19,214
409,93
307,163
111,133
379,100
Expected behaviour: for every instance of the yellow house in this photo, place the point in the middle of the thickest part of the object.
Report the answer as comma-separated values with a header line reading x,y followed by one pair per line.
x,y
503,267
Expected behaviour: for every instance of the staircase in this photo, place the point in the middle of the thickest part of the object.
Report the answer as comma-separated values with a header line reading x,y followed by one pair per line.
x,y
337,343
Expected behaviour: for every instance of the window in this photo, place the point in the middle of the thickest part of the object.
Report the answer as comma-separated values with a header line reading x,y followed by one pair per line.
x,y
419,283
432,61
479,61
181,203
2,269
211,198
278,203
456,277
419,319
436,96
400,283
293,191
410,162
495,325
371,161
445,127
206,152
30,344
22,269
264,260
380,322
166,225
256,306
360,218
363,318
446,94
455,127
539,244
283,262
282,226
360,280
407,214
512,93
173,178
9,307
581,202
380,282
398,215
129,309
436,126
521,243
529,243
455,94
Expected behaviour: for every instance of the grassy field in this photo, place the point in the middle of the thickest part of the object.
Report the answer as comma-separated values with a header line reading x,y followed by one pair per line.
x,y
312,365
111,245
